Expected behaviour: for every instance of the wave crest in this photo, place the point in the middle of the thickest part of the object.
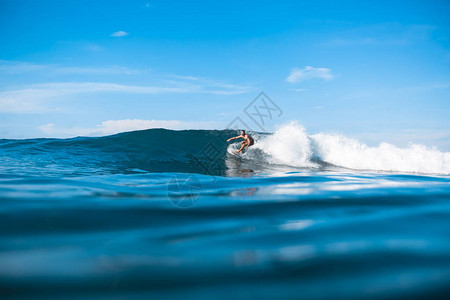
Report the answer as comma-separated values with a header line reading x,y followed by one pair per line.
x,y
205,151
291,145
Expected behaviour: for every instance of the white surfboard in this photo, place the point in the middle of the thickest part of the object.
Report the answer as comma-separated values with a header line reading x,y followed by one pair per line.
x,y
233,148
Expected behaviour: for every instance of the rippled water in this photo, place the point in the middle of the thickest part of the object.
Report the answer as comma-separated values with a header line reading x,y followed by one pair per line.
x,y
81,224
296,235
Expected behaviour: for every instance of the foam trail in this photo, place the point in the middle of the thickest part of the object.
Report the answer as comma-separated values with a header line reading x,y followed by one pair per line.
x,y
291,145
350,153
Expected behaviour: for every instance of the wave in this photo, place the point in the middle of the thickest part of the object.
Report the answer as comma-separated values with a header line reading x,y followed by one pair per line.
x,y
205,151
291,145
153,150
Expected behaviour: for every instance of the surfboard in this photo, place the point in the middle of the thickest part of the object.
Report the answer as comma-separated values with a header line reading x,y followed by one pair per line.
x,y
237,154
233,148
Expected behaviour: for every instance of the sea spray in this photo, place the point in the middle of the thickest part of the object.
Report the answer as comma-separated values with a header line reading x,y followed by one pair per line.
x,y
291,145
350,153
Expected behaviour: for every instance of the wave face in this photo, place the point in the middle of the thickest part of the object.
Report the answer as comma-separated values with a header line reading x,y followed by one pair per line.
x,y
152,150
205,152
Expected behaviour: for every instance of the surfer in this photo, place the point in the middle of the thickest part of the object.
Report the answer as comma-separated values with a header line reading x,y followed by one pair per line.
x,y
247,142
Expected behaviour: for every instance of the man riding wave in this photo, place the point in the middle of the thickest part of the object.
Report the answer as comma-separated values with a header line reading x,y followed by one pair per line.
x,y
247,142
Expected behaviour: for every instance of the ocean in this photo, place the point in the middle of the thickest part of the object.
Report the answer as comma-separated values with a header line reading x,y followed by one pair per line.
x,y
162,214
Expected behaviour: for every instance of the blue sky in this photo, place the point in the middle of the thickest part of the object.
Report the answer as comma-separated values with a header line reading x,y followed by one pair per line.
x,y
373,70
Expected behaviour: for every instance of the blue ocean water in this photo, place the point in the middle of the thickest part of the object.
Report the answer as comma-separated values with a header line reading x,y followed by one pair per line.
x,y
173,214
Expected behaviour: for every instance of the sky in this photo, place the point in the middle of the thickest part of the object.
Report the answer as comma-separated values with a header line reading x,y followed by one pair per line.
x,y
377,71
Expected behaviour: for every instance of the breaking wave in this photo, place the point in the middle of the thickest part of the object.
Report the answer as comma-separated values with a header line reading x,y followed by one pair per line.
x,y
205,151
291,145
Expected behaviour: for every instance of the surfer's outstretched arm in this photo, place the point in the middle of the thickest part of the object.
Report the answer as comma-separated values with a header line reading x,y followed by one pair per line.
x,y
236,137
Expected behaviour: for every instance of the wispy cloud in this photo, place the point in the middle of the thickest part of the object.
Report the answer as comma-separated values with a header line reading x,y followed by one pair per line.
x,y
92,48
119,33
309,72
207,85
186,82
16,67
116,126
404,92
35,98
190,78
113,70
383,34
366,41
425,87
20,67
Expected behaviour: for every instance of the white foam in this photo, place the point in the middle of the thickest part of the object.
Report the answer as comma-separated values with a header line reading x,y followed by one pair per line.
x,y
291,145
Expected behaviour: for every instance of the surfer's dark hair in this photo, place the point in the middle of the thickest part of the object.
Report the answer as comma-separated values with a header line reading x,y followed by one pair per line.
x,y
243,130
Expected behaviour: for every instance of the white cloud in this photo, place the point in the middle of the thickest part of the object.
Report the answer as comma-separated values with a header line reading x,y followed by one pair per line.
x,y
34,98
16,67
119,33
298,90
309,72
116,126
